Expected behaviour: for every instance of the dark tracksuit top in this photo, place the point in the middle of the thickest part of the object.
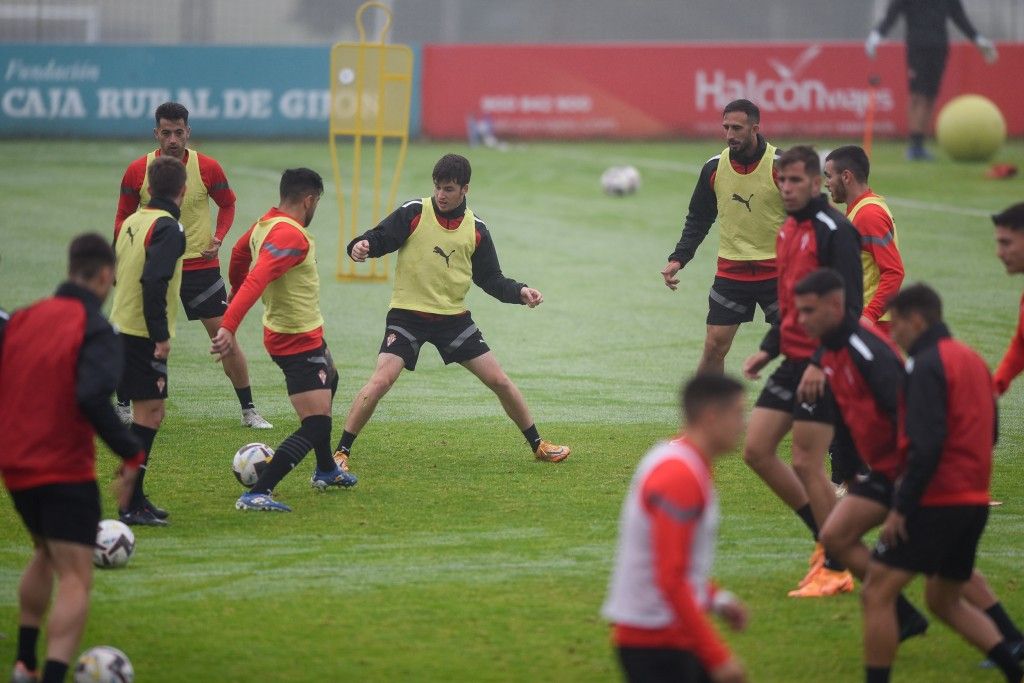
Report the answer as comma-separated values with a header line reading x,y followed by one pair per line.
x,y
60,361
926,21
391,233
816,236
866,375
950,425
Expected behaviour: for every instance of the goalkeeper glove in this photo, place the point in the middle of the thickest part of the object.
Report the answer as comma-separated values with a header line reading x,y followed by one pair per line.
x,y
988,49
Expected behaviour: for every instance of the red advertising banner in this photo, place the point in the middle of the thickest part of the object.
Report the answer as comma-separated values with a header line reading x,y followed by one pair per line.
x,y
656,91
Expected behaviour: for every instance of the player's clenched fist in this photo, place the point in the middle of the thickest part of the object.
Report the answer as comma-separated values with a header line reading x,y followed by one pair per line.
x,y
531,297
669,273
360,250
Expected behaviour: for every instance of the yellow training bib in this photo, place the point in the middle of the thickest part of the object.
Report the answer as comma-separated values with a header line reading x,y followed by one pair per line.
x,y
195,207
872,276
130,248
435,265
750,209
292,301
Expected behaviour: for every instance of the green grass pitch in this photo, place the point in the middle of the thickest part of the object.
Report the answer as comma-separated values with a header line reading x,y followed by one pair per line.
x,y
457,557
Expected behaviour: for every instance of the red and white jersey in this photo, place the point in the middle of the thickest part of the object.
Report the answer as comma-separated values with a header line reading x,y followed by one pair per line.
x,y
661,585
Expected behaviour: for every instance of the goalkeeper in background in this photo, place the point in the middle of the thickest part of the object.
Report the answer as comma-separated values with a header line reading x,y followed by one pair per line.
x,y
927,51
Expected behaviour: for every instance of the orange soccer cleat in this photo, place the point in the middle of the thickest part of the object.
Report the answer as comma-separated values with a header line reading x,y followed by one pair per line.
x,y
814,565
549,452
341,459
824,583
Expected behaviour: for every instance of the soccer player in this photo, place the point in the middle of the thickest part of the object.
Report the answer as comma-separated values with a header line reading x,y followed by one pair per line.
x,y
149,245
442,246
941,502
1009,226
282,252
927,51
736,187
59,363
846,176
661,587
796,396
867,378
202,288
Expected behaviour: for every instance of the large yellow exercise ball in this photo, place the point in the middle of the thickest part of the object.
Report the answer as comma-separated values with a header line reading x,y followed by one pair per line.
x,y
971,128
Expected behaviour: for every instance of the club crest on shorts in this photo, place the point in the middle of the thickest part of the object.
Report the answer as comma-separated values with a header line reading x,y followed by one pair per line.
x,y
323,376
391,339
160,384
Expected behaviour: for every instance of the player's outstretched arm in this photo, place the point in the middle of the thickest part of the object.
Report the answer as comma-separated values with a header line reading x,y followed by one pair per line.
x,y
389,235
700,216
487,273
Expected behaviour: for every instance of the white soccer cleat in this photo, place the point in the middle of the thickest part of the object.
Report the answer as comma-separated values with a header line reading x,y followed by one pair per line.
x,y
250,418
124,413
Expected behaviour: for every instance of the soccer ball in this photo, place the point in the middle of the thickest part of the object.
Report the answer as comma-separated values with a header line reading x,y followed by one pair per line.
x,y
619,181
104,664
250,461
115,544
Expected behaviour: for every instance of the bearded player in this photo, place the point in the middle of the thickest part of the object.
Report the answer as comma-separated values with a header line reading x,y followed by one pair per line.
x,y
202,289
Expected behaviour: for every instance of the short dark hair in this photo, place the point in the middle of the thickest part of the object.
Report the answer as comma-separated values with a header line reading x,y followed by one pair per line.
x,y
171,111
853,159
453,168
704,390
745,106
166,177
804,154
821,282
918,298
297,183
89,253
1011,217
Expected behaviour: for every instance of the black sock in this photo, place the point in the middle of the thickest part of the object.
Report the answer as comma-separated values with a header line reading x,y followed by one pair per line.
x,y
245,397
532,436
877,674
289,454
1004,623
347,439
917,140
834,564
28,636
54,671
146,436
807,516
317,429
1002,656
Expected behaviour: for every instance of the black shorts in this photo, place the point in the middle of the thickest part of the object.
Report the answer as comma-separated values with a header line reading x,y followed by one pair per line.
x,y
145,377
203,293
941,541
456,337
309,370
873,486
661,665
779,393
61,512
732,302
925,67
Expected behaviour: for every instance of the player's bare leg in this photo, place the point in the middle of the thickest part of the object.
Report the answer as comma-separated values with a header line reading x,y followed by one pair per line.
x,y
946,600
878,596
765,431
716,347
810,444
389,367
236,367
852,517
72,564
979,593
489,371
147,416
36,587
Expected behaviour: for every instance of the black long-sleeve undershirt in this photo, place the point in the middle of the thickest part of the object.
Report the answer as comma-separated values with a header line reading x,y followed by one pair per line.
x,y
165,248
392,232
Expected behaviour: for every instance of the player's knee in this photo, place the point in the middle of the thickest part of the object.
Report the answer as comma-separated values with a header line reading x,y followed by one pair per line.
x,y
807,465
716,348
755,456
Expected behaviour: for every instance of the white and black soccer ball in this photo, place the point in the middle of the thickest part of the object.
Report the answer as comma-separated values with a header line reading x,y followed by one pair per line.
x,y
104,664
619,181
115,544
250,461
